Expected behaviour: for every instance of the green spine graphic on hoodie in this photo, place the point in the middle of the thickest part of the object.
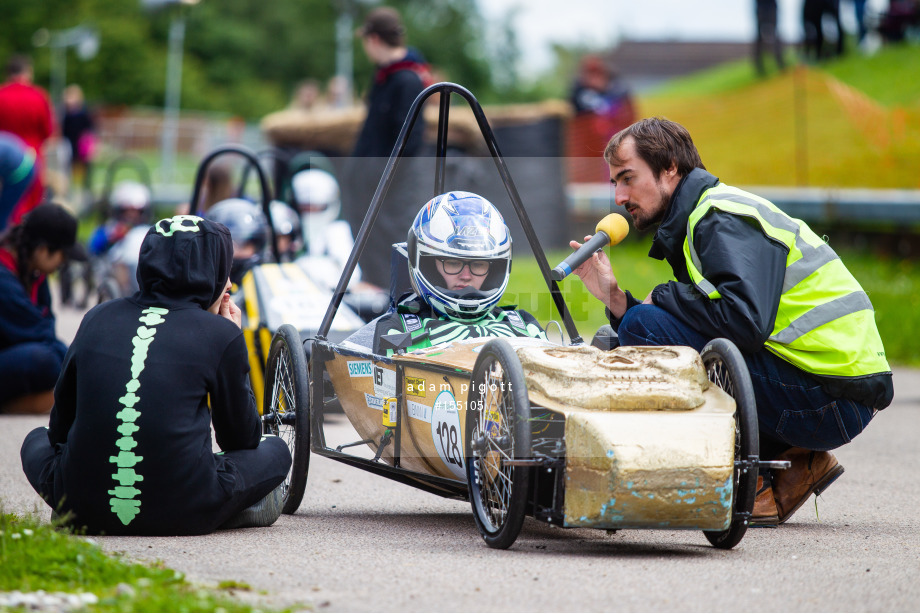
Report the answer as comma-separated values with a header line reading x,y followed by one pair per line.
x,y
125,502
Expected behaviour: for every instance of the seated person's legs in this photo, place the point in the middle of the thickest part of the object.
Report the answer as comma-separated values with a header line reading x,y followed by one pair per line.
x,y
257,473
39,460
28,372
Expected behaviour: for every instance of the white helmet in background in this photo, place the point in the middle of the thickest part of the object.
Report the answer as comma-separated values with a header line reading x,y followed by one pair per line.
x,y
318,199
130,195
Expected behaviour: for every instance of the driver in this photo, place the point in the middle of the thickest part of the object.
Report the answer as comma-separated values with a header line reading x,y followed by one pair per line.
x,y
249,231
459,261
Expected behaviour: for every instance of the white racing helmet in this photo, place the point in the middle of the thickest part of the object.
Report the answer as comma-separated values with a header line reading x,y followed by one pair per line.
x,y
464,226
318,199
130,195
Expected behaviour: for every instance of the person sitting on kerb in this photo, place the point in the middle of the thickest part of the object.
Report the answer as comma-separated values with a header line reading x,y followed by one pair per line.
x,y
459,261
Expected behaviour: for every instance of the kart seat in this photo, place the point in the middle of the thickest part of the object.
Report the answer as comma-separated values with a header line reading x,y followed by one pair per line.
x,y
363,338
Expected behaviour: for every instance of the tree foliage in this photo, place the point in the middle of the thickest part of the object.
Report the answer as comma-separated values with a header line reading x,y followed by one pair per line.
x,y
242,57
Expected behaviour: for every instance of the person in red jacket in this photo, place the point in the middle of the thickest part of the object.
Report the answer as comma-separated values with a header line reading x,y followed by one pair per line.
x,y
25,110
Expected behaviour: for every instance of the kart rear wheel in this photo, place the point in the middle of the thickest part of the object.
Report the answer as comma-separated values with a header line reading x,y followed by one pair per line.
x,y
726,369
498,431
286,408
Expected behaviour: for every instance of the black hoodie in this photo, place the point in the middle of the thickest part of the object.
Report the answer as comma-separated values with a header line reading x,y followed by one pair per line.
x,y
131,404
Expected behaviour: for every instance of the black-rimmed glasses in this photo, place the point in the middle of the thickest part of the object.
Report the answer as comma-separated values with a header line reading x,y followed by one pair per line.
x,y
453,266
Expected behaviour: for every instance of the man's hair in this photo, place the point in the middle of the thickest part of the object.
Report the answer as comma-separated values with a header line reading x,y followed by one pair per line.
x,y
386,23
17,65
660,143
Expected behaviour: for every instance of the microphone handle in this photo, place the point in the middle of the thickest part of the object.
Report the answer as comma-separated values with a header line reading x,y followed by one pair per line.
x,y
580,255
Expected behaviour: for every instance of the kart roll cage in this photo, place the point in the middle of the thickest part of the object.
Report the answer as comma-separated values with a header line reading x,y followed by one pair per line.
x,y
253,161
446,90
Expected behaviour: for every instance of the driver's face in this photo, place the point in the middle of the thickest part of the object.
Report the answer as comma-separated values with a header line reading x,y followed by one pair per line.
x,y
461,280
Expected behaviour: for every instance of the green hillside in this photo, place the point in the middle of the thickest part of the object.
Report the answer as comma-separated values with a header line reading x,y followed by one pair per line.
x,y
854,122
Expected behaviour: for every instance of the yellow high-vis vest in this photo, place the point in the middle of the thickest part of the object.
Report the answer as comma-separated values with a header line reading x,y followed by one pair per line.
x,y
825,323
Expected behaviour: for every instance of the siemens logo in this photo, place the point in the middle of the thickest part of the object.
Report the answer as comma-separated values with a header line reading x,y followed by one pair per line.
x,y
360,368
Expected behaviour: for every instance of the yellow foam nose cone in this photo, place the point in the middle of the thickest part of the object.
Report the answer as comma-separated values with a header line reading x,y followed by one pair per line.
x,y
616,227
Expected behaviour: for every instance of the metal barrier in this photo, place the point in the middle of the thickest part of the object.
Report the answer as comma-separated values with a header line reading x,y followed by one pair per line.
x,y
889,209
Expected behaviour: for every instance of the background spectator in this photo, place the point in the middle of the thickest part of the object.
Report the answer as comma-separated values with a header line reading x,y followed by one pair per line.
x,y
31,355
78,127
813,14
603,106
306,95
17,172
25,110
767,35
401,75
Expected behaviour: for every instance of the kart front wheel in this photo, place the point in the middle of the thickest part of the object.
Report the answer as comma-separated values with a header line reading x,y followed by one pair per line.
x,y
497,435
726,369
286,408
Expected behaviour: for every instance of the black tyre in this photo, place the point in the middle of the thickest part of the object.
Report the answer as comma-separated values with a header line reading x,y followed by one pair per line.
x,y
286,408
498,431
726,369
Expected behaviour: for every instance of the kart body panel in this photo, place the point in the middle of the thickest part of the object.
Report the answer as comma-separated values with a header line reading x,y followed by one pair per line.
x,y
651,452
274,294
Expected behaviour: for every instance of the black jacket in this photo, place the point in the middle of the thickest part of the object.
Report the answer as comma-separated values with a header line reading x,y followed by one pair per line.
x,y
395,88
131,404
748,268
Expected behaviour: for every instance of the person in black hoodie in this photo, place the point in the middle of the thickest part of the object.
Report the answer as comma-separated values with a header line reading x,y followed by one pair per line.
x,y
128,450
746,271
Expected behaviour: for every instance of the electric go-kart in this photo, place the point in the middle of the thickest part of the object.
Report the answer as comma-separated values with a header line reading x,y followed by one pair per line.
x,y
650,437
273,293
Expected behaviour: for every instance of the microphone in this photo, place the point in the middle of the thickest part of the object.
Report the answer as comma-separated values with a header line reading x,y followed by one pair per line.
x,y
612,229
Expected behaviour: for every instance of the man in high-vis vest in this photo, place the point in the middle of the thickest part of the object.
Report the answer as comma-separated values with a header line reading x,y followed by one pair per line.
x,y
748,272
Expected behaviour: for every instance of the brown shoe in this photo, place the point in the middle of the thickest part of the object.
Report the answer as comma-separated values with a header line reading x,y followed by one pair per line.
x,y
765,513
811,472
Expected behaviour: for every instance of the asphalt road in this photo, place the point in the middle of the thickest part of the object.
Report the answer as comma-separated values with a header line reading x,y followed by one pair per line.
x,y
363,543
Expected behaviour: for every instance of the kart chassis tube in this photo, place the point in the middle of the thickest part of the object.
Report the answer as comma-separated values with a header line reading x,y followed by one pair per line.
x,y
389,172
322,351
549,468
253,160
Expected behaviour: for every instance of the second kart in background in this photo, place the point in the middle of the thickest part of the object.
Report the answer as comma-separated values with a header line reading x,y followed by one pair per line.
x,y
123,214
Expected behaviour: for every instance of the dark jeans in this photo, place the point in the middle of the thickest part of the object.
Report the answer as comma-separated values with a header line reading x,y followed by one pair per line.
x,y
27,368
792,408
255,474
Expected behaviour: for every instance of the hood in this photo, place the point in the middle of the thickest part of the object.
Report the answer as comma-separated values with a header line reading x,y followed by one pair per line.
x,y
414,55
184,259
669,238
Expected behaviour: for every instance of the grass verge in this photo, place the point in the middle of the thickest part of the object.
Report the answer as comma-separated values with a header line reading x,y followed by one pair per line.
x,y
36,556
